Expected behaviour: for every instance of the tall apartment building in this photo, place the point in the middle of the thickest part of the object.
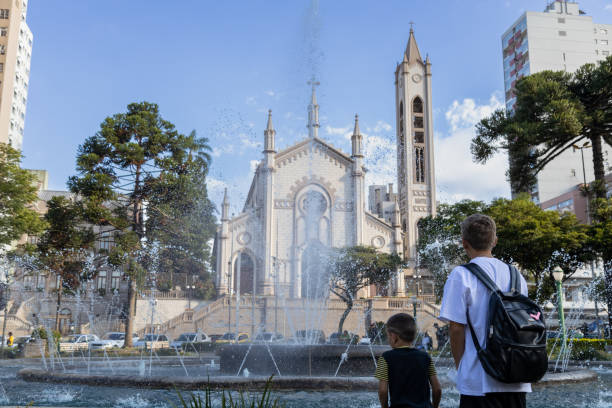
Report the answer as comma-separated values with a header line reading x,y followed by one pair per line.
x,y
15,55
561,38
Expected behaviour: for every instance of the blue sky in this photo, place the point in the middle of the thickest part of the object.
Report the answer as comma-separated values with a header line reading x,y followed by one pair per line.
x,y
217,67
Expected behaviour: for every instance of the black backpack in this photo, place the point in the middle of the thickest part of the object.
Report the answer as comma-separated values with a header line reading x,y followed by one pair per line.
x,y
515,349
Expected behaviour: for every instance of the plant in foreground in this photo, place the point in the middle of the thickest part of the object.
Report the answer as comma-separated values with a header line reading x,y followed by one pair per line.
x,y
227,401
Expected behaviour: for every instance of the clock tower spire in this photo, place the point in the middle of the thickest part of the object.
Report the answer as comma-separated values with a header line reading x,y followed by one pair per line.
x,y
415,159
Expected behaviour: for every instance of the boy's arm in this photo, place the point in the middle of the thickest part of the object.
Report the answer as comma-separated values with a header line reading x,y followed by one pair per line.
x,y
436,390
383,393
456,332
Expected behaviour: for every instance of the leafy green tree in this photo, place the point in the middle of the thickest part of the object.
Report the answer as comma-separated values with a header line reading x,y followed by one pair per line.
x,y
357,267
126,164
181,217
601,243
539,240
17,193
553,111
439,246
65,246
535,239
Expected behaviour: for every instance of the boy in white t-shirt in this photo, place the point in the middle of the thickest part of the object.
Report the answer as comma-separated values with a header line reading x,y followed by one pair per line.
x,y
462,291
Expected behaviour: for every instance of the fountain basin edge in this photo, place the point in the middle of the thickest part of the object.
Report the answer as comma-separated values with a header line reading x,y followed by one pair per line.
x,y
285,383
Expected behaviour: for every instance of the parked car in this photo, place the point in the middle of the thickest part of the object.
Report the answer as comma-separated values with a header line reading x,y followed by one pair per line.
x,y
268,338
230,338
153,341
110,340
310,336
78,342
187,338
215,337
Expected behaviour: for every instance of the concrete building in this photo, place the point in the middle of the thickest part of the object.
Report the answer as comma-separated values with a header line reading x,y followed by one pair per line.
x,y
311,196
15,56
562,38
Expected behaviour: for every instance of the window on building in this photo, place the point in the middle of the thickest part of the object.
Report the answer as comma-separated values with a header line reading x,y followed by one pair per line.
x,y
1,67
603,31
596,41
4,14
604,42
115,279
606,53
3,31
106,240
28,282
419,137
417,105
101,280
419,164
40,281
2,49
418,122
32,239
562,33
561,20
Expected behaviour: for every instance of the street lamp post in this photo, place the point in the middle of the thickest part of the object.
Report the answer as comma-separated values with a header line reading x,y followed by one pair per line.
x,y
413,300
558,277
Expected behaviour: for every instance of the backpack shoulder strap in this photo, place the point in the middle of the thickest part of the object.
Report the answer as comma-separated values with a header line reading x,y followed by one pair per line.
x,y
515,280
482,276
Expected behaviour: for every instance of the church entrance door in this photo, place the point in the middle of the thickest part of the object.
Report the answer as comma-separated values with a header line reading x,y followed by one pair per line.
x,y
244,273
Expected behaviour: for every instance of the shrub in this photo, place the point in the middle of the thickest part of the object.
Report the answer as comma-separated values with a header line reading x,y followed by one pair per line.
x,y
581,349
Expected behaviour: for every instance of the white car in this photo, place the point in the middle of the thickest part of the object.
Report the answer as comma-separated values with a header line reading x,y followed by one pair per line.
x,y
153,341
110,340
187,338
78,342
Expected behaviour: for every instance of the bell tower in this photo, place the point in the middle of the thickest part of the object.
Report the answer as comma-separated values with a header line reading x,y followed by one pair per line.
x,y
415,153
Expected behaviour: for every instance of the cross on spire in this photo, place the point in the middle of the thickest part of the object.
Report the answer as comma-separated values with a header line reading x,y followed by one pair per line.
x,y
313,111
411,25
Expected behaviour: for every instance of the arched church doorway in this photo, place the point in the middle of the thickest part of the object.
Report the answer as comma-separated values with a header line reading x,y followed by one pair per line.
x,y
315,272
244,273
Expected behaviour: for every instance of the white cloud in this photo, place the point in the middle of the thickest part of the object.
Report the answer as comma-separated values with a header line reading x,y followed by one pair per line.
x,y
270,93
457,176
337,131
253,165
608,7
251,100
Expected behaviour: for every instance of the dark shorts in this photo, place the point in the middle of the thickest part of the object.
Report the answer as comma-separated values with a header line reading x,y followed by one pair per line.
x,y
495,400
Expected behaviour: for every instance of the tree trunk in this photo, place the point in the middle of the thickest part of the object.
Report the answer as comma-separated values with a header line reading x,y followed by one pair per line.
x,y
129,321
58,305
608,293
598,167
349,307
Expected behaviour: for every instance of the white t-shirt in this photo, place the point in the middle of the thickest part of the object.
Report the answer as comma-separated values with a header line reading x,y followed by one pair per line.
x,y
462,290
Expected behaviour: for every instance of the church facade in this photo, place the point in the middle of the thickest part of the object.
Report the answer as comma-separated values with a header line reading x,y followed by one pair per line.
x,y
312,196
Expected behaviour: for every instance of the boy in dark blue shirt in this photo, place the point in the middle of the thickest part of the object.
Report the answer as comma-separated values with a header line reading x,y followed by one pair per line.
x,y
406,374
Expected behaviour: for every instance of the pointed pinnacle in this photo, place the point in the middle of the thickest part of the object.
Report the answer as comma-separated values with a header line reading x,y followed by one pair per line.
x,y
356,130
270,126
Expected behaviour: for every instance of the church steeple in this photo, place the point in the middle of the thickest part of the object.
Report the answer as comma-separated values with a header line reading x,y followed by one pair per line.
x,y
225,207
313,112
412,53
356,140
269,134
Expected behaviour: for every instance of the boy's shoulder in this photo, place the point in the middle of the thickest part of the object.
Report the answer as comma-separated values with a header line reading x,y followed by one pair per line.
x,y
405,352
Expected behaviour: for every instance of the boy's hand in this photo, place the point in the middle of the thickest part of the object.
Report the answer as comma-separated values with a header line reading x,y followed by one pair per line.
x,y
383,393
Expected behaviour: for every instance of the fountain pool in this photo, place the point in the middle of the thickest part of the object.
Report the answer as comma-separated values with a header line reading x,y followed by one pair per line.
x,y
19,392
